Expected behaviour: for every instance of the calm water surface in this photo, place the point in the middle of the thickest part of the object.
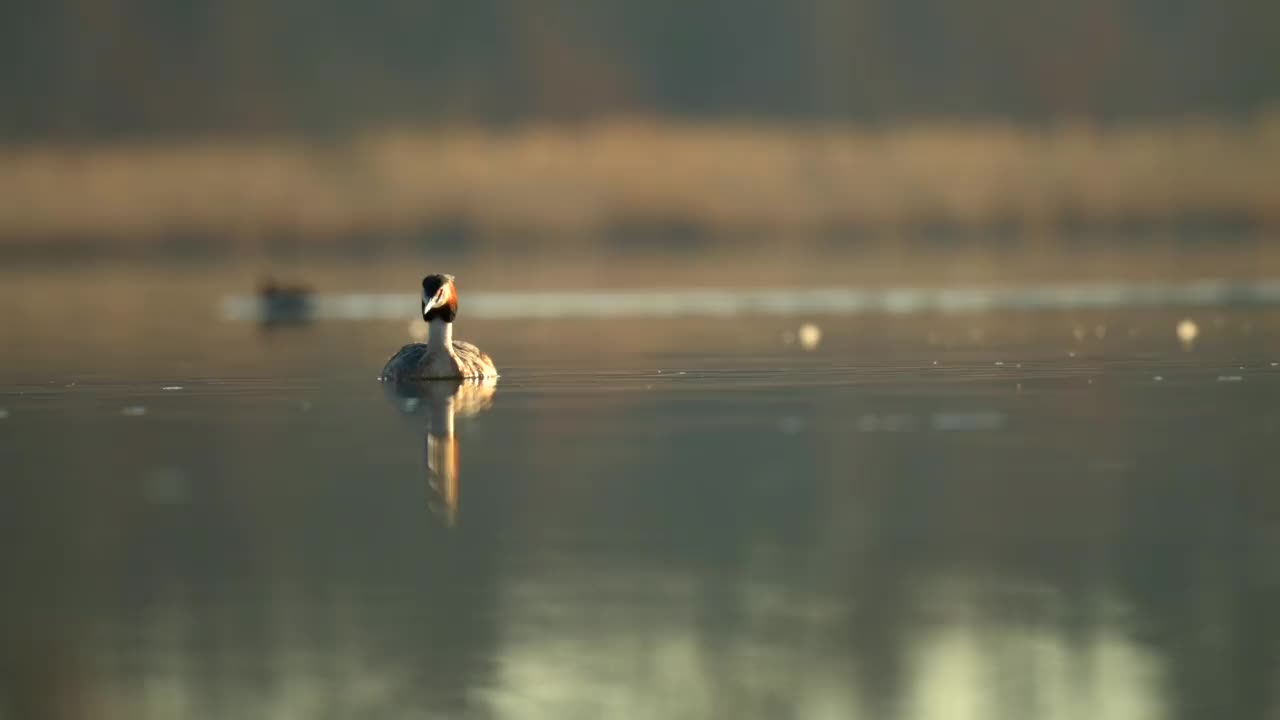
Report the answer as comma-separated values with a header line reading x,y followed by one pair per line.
x,y
1015,516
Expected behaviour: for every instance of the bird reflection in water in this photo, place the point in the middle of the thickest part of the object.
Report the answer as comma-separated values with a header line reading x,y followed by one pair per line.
x,y
441,401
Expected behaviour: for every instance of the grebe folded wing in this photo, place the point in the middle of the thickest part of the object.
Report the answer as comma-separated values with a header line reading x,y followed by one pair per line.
x,y
406,363
472,362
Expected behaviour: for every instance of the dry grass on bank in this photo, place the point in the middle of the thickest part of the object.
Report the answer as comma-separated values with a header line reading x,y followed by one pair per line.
x,y
558,182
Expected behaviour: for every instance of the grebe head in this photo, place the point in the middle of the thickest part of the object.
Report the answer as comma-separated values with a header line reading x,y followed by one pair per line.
x,y
439,298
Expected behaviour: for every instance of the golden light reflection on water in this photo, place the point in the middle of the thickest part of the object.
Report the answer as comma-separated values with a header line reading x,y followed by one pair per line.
x,y
663,663
978,665
576,649
441,401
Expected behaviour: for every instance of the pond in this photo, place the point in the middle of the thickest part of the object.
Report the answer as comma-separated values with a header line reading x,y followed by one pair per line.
x,y
1003,512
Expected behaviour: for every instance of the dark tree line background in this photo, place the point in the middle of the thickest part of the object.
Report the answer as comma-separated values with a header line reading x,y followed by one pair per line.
x,y
89,69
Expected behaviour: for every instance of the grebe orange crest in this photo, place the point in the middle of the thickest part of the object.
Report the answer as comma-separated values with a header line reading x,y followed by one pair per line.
x,y
440,357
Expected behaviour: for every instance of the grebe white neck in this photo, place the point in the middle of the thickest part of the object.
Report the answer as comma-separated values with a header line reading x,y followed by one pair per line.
x,y
439,334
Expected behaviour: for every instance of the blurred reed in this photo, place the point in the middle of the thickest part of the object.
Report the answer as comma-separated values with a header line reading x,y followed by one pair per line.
x,y
566,184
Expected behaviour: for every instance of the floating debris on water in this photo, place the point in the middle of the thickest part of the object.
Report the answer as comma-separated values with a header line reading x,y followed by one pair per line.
x,y
810,336
1230,378
1187,331
133,411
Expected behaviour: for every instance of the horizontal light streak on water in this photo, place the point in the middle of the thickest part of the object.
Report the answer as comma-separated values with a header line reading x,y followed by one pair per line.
x,y
670,303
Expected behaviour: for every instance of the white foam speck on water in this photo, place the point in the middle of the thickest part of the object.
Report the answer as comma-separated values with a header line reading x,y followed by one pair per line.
x,y
1187,332
705,302
171,387
133,411
1158,378
810,336
999,363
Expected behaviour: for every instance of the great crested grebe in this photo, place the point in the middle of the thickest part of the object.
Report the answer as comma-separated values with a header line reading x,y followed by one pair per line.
x,y
281,304
441,357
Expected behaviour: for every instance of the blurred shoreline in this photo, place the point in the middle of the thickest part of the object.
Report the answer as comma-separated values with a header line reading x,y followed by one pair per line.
x,y
659,183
